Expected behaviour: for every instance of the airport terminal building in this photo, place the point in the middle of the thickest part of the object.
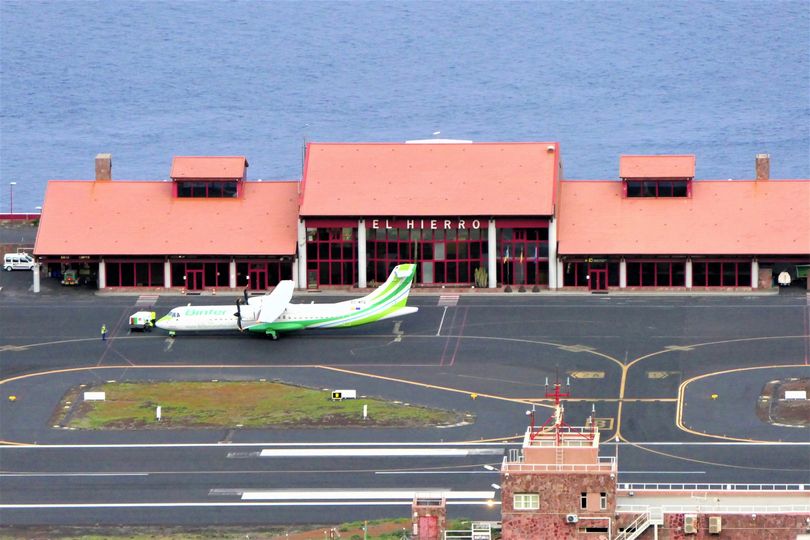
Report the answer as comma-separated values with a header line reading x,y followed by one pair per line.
x,y
482,215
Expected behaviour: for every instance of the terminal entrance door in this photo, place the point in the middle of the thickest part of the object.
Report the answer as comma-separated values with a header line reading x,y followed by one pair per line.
x,y
194,280
597,280
258,277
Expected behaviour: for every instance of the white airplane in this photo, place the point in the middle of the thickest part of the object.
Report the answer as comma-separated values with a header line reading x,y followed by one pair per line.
x,y
273,313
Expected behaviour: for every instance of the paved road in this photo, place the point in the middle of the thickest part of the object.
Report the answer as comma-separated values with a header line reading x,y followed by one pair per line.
x,y
641,362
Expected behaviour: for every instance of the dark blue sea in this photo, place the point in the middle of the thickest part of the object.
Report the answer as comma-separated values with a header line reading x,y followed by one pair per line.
x,y
147,80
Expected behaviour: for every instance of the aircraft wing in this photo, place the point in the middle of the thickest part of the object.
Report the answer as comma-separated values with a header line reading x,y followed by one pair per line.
x,y
274,304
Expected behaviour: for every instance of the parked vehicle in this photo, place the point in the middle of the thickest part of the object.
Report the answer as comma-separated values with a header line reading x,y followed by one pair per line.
x,y
18,261
142,320
70,278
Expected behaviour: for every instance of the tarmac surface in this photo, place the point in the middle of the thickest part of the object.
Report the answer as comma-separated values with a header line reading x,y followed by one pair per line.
x,y
647,365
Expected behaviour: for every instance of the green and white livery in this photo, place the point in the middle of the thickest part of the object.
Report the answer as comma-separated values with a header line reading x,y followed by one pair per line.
x,y
273,313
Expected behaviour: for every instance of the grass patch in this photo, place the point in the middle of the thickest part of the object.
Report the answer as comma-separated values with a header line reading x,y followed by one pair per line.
x,y
248,404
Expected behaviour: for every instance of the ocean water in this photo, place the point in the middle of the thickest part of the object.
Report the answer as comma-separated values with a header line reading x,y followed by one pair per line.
x,y
149,80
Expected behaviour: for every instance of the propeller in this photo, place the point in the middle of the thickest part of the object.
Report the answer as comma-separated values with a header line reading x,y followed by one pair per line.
x,y
238,315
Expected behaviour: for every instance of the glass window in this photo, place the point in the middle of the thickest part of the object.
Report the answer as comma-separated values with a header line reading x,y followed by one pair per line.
x,y
679,189
603,501
648,274
634,189
583,500
698,274
127,275
183,189
526,501
662,273
678,274
665,189
729,274
648,189
142,274
633,274
713,270
743,274
113,274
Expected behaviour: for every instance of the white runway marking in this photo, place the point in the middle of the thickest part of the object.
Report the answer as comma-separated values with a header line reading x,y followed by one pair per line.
x,y
369,444
231,504
367,494
442,321
249,445
380,452
5,475
438,472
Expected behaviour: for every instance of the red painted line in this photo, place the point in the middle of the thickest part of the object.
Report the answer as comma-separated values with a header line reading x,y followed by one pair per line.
x,y
807,332
448,339
460,334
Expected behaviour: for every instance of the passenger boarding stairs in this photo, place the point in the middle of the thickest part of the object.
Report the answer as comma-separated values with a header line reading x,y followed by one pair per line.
x,y
653,516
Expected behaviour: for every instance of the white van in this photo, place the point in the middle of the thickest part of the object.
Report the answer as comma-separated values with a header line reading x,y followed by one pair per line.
x,y
18,261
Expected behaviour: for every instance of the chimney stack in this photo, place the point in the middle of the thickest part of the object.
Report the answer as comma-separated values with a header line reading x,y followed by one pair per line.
x,y
103,167
763,167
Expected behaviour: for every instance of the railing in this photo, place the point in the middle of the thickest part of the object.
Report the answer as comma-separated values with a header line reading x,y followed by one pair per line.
x,y
479,530
754,488
606,464
724,509
636,528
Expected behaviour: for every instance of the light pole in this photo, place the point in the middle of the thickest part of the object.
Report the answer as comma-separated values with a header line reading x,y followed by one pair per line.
x,y
11,197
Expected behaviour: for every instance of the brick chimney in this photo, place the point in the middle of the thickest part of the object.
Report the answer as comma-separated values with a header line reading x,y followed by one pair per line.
x,y
763,166
103,167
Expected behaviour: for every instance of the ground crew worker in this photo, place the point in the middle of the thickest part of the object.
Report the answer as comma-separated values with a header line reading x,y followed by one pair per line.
x,y
103,332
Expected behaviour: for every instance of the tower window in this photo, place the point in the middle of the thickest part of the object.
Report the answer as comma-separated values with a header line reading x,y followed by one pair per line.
x,y
526,501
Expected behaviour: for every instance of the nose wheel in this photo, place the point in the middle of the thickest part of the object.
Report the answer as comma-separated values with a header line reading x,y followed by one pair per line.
x,y
272,333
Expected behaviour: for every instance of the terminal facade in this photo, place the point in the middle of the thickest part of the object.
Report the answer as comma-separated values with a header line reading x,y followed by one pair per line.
x,y
470,215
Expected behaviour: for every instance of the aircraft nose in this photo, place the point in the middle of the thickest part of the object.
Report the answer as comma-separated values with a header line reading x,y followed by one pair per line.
x,y
164,323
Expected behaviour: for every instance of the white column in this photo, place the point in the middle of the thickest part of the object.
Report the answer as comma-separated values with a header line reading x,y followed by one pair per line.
x,y
302,254
232,274
492,257
102,274
35,270
560,274
754,273
167,274
688,273
361,253
622,274
552,253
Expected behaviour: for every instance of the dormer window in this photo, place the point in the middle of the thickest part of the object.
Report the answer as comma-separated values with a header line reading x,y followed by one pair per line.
x,y
657,176
214,189
208,177
657,188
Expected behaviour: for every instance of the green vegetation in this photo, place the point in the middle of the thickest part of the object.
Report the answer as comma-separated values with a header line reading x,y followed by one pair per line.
x,y
252,404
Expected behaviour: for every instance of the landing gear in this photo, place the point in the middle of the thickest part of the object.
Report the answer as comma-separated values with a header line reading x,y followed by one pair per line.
x,y
272,333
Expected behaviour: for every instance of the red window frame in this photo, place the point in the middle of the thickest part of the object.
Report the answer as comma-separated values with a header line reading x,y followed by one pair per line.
x,y
656,185
658,263
208,186
385,248
277,270
519,250
111,265
220,272
331,255
724,264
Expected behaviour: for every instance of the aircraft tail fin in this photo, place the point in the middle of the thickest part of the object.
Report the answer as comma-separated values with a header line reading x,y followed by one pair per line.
x,y
398,286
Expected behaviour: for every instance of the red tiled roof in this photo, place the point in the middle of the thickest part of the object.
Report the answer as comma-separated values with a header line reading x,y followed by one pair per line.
x,y
664,166
208,167
143,218
721,218
466,179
